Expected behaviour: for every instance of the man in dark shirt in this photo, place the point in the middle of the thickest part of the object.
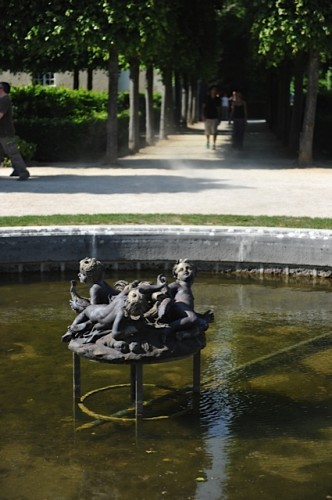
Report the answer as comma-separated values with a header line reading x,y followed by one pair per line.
x,y
211,113
7,133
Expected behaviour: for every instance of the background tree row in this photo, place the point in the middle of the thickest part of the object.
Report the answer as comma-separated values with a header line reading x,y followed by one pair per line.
x,y
269,49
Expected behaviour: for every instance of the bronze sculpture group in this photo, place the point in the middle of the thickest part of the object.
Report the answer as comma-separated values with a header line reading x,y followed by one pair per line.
x,y
138,319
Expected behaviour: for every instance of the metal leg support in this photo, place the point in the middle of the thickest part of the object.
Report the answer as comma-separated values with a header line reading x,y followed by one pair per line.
x,y
139,389
76,377
136,387
133,381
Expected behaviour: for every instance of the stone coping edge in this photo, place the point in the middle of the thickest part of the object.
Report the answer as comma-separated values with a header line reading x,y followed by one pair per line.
x,y
216,248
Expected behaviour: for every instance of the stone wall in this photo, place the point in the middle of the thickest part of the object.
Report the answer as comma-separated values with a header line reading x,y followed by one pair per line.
x,y
215,248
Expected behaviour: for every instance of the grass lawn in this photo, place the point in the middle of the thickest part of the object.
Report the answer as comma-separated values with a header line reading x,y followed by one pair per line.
x,y
167,219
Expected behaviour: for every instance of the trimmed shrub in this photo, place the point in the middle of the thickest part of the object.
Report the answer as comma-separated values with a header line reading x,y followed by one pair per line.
x,y
57,102
27,150
66,125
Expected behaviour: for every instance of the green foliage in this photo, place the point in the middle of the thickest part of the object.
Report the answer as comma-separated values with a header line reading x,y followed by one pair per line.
x,y
27,150
237,67
64,139
64,124
63,103
325,81
69,140
285,28
65,35
57,102
67,125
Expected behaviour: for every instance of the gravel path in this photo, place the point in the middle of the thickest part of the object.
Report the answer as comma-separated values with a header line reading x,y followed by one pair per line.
x,y
179,175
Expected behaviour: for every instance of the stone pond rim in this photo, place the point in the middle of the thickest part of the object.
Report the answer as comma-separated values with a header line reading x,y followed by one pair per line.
x,y
213,248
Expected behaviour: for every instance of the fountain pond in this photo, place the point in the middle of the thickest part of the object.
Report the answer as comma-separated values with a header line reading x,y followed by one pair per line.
x,y
262,427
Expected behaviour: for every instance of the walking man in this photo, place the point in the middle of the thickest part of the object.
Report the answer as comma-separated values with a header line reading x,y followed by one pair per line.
x,y
7,134
211,112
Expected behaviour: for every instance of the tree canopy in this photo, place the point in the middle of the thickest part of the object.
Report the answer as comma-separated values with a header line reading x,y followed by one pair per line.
x,y
219,41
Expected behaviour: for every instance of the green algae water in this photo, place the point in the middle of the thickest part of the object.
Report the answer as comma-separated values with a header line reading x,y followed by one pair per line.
x,y
262,427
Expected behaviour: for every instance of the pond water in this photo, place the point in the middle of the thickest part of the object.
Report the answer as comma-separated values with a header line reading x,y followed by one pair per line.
x,y
262,427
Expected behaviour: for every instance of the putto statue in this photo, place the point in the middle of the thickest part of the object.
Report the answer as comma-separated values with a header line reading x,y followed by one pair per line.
x,y
92,273
138,319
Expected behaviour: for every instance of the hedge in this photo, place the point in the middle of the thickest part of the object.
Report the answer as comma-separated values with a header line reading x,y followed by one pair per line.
x,y
67,140
66,125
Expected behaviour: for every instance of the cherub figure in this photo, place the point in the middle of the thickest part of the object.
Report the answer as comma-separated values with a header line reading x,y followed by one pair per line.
x,y
180,313
118,316
95,319
92,273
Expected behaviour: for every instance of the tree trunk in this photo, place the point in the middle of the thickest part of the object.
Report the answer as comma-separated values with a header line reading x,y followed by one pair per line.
x,y
272,107
283,102
177,100
297,108
307,133
166,105
192,102
76,79
112,121
185,102
149,123
89,80
133,143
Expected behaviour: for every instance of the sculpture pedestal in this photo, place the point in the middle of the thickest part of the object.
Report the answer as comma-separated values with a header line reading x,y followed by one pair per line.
x,y
146,347
136,381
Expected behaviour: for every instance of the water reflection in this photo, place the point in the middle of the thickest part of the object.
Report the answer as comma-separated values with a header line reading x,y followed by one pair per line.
x,y
263,429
